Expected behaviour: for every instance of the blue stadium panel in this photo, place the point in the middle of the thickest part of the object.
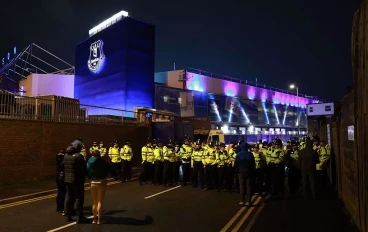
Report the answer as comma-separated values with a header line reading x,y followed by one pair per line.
x,y
115,67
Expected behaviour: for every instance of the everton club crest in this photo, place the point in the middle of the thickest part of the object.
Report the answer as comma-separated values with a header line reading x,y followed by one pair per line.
x,y
96,56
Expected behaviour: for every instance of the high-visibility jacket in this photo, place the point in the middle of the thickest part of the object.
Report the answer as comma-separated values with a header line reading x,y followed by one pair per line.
x,y
177,155
186,153
197,155
260,160
102,151
126,153
147,155
94,148
324,157
114,153
267,152
294,154
158,153
169,154
222,158
277,156
209,157
84,153
232,157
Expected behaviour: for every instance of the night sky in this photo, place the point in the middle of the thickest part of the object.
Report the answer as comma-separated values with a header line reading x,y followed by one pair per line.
x,y
278,42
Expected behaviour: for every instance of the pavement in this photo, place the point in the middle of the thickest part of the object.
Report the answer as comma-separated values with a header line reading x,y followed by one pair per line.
x,y
129,207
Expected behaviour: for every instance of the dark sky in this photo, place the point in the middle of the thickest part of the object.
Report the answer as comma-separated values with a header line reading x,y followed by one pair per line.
x,y
278,42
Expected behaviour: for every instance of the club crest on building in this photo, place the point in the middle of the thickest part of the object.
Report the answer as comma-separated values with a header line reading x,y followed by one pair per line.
x,y
96,56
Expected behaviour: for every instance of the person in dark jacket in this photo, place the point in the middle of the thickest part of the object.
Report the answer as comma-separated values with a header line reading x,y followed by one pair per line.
x,y
75,174
60,197
246,166
98,170
308,158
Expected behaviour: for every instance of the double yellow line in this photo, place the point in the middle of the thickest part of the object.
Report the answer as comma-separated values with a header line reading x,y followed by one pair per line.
x,y
43,198
249,210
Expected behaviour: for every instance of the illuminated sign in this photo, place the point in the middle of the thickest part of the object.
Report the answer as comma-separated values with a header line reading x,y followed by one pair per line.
x,y
96,56
108,22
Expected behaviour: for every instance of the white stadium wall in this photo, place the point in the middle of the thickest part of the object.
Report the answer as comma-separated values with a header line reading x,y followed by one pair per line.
x,y
48,84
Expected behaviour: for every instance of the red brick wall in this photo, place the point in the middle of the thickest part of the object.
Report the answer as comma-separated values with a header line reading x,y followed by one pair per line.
x,y
28,148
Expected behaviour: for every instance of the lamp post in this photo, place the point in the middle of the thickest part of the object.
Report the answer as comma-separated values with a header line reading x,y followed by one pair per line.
x,y
297,109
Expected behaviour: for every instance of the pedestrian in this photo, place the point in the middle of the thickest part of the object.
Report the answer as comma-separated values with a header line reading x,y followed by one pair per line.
x,y
75,174
222,158
60,177
260,171
159,160
308,159
177,163
97,170
294,174
169,162
246,165
147,163
197,165
231,168
186,151
209,162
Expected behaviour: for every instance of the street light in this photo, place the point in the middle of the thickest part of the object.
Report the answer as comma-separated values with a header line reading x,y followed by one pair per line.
x,y
292,86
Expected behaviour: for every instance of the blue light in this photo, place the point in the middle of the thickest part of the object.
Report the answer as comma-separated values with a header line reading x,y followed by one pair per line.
x,y
230,117
245,116
277,117
2,61
283,122
15,50
265,112
96,56
8,56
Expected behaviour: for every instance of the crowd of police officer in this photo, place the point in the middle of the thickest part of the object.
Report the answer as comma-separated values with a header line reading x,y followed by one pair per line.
x,y
211,165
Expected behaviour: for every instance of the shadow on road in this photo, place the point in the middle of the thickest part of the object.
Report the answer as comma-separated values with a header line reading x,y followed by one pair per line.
x,y
148,220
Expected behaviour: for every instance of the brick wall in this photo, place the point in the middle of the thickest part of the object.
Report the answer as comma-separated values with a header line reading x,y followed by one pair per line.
x,y
28,148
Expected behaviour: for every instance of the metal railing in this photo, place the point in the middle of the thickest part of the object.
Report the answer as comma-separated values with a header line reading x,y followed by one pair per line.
x,y
62,109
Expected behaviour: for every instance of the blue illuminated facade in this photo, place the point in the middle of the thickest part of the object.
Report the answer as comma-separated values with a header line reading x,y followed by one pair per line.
x,y
115,67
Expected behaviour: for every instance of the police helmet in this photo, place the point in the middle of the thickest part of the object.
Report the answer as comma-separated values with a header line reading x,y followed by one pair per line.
x,y
154,141
198,143
149,141
170,142
177,144
212,144
128,142
101,142
316,138
265,143
222,145
158,141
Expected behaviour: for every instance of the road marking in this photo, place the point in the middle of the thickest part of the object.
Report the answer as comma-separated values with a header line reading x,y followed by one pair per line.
x,y
46,197
161,192
241,222
65,226
32,194
241,210
254,218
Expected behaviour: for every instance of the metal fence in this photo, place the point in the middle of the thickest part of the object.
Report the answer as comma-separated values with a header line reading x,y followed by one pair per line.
x,y
62,109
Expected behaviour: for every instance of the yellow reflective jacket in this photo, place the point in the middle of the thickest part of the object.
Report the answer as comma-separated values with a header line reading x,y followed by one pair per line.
x,y
186,153
147,154
277,156
222,158
94,148
169,154
126,153
102,151
209,156
114,154
159,155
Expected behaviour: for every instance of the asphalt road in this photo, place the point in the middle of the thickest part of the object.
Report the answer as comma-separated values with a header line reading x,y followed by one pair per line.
x,y
126,209
129,207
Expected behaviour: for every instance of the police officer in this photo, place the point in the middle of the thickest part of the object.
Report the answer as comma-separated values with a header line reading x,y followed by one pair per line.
x,y
94,147
114,154
196,163
126,155
324,158
186,154
260,171
159,159
231,167
177,163
221,160
294,171
316,143
169,160
147,163
75,174
102,149
276,168
209,162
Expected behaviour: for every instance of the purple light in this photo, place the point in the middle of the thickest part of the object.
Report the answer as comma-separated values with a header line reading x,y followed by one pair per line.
x,y
196,82
230,89
251,93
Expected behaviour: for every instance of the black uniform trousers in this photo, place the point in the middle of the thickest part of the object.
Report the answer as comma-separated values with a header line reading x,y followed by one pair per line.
x,y
127,170
276,175
230,178
221,177
60,197
176,174
198,173
158,172
117,167
146,173
75,195
210,176
186,173
168,172
259,177
322,180
294,177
